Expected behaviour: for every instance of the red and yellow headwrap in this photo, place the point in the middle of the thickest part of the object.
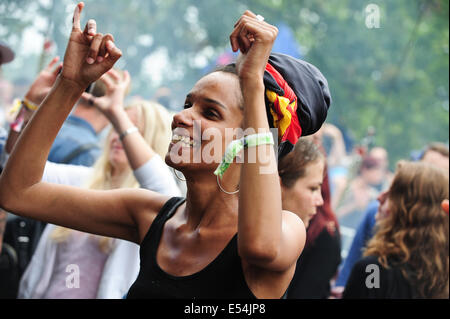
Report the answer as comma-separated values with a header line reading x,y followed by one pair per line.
x,y
297,99
283,109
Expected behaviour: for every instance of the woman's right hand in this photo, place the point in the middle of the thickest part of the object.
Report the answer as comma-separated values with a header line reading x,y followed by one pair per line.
x,y
88,54
254,38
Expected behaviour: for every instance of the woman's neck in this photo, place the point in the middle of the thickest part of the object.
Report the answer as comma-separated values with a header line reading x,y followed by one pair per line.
x,y
206,205
117,177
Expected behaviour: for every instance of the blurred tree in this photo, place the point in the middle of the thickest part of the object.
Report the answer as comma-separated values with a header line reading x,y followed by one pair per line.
x,y
394,78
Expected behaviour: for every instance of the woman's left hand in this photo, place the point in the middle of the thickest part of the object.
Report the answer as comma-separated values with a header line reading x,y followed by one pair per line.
x,y
254,38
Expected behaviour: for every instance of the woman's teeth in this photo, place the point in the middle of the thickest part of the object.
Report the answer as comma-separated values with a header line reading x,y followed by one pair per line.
x,y
185,140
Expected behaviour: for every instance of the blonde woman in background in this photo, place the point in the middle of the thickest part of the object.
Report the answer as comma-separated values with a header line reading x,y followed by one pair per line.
x,y
102,267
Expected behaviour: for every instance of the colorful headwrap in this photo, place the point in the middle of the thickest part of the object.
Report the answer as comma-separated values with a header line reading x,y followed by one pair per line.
x,y
297,99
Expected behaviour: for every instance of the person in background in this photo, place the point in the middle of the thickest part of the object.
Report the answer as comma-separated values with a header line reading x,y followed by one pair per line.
x,y
6,56
337,160
79,140
381,155
360,192
78,143
305,192
8,260
438,157
363,234
410,247
163,96
436,153
107,266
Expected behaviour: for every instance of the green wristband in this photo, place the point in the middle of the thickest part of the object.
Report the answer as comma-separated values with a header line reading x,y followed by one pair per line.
x,y
238,145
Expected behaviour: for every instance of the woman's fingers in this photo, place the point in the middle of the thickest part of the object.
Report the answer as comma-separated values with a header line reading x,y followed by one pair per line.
x,y
89,98
107,80
246,38
236,40
76,16
50,68
114,75
247,13
102,46
247,29
94,48
102,54
58,69
52,63
90,29
114,53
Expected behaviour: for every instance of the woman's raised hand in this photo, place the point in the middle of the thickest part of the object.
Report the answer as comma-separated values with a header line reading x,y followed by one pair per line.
x,y
88,54
116,89
44,82
254,38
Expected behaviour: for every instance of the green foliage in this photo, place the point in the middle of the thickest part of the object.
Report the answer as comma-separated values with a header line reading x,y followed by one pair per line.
x,y
394,78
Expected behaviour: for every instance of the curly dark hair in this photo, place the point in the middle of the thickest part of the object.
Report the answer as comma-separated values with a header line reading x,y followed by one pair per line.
x,y
414,235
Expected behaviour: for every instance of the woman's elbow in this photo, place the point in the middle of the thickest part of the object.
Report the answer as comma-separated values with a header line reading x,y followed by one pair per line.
x,y
258,252
5,200
9,199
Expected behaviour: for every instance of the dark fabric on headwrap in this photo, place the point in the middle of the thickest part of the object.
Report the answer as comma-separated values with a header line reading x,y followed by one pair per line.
x,y
297,99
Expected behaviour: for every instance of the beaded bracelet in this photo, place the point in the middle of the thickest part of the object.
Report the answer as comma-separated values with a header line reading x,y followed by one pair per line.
x,y
25,102
29,105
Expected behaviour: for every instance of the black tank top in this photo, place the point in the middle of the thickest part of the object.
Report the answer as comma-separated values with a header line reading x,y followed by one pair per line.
x,y
222,278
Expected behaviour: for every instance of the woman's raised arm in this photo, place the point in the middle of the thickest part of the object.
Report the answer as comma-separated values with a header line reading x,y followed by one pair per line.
x,y
111,105
88,56
268,237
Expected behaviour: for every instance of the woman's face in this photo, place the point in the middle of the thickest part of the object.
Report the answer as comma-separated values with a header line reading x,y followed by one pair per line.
x,y
305,195
117,156
199,135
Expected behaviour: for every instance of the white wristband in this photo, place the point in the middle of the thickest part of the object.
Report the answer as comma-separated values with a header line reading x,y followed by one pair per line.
x,y
128,131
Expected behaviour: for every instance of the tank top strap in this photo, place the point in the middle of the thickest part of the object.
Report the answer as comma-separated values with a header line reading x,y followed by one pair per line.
x,y
165,213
